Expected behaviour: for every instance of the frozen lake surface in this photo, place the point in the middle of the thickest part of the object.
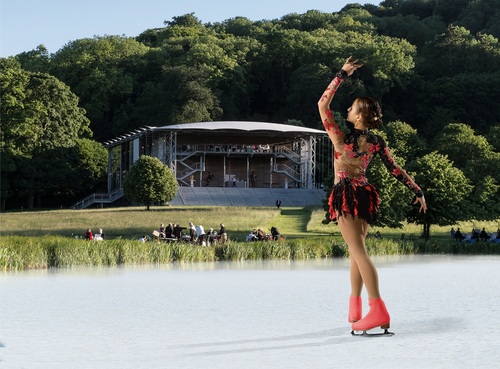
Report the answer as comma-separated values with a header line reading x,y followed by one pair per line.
x,y
273,314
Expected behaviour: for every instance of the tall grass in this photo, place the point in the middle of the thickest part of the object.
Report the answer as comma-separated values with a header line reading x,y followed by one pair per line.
x,y
22,253
18,253
32,240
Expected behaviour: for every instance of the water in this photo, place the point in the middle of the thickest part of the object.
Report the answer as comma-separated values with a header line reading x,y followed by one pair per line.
x,y
275,314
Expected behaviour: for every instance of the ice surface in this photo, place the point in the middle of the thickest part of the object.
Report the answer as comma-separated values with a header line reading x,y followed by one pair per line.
x,y
275,314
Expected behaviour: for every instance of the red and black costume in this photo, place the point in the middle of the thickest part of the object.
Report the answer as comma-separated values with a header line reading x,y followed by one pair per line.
x,y
352,194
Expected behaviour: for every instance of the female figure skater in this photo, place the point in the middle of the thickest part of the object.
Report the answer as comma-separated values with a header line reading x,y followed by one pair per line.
x,y
354,201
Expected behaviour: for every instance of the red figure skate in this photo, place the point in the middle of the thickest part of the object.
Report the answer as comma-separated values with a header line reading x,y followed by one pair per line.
x,y
376,317
355,309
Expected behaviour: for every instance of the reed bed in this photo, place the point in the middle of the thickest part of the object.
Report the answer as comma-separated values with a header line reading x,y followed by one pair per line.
x,y
18,253
45,239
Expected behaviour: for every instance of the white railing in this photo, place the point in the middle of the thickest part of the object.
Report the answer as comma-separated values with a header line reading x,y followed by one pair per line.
x,y
197,167
181,195
99,198
289,172
290,154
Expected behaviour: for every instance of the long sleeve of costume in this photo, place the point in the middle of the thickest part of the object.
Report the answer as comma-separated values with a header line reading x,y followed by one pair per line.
x,y
331,127
395,170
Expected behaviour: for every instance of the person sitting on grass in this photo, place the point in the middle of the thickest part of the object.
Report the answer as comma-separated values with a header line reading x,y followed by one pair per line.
x,y
192,233
161,230
222,235
459,236
169,230
252,236
275,233
484,235
178,231
211,237
99,236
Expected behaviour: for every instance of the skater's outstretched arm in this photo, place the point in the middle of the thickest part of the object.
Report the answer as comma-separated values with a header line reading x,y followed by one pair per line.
x,y
400,174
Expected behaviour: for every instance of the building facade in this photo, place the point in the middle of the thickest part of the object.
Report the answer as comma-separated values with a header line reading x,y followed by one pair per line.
x,y
222,154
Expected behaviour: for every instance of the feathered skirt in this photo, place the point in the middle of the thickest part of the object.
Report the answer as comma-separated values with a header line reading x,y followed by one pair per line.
x,y
355,197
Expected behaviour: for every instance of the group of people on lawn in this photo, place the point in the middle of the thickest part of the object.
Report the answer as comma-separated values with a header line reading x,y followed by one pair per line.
x,y
195,234
89,236
475,235
260,235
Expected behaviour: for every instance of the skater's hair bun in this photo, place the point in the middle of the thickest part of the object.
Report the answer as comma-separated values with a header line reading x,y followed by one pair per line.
x,y
371,111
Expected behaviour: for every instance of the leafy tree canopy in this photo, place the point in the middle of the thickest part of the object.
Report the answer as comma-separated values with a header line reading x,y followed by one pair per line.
x,y
149,181
459,142
446,190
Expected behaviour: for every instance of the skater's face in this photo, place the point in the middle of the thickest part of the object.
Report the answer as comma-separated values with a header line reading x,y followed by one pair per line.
x,y
353,115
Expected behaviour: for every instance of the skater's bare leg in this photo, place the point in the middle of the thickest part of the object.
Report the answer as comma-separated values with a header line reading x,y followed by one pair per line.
x,y
356,280
354,232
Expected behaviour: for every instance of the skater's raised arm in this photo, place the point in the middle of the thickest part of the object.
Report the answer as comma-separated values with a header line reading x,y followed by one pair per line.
x,y
325,112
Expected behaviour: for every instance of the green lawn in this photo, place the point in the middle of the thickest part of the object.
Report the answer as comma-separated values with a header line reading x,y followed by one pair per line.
x,y
132,222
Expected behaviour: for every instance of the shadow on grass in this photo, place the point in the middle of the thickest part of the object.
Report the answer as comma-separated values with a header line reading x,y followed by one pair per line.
x,y
294,220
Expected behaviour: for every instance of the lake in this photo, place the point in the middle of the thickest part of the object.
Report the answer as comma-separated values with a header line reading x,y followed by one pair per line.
x,y
265,314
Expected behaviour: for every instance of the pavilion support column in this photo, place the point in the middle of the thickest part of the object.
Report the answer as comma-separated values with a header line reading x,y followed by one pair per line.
x,y
248,172
203,162
270,172
224,173
110,170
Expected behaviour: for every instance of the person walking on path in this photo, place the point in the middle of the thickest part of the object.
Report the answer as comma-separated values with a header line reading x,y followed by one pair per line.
x,y
354,201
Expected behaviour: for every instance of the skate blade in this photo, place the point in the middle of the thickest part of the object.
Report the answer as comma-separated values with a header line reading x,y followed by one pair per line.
x,y
386,333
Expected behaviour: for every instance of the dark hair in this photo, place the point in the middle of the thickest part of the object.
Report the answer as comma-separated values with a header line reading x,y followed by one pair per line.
x,y
371,111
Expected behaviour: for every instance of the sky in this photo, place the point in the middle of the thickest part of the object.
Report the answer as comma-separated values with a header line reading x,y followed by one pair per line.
x,y
25,24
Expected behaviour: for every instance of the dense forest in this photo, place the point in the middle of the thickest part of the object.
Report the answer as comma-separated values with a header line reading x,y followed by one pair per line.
x,y
434,65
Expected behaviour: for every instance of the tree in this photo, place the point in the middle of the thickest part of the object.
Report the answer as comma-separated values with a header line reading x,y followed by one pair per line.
x,y
238,26
149,181
36,60
460,143
446,189
103,72
457,51
13,85
191,100
474,156
301,99
404,140
186,20
53,109
493,26
493,137
13,82
8,170
63,173
39,114
395,198
449,10
464,95
410,28
477,15
439,117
